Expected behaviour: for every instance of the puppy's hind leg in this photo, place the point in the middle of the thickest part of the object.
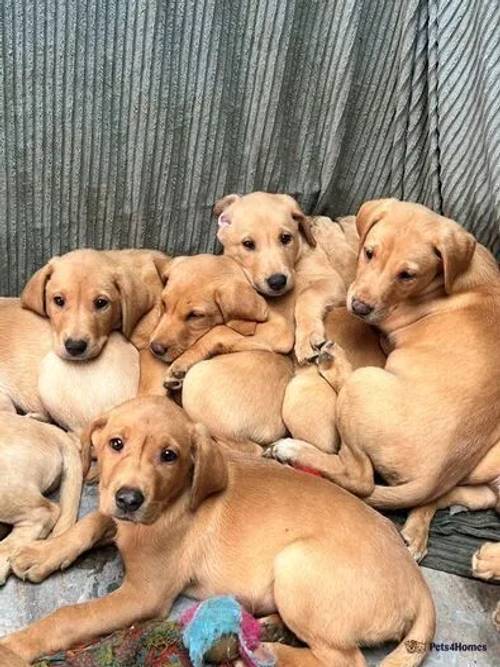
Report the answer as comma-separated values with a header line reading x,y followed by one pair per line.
x,y
32,521
316,610
309,409
415,532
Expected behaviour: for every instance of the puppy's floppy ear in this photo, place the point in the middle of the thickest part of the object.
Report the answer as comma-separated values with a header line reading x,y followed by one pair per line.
x,y
243,327
238,300
368,215
88,445
33,294
302,220
456,248
162,264
221,204
210,469
135,299
168,267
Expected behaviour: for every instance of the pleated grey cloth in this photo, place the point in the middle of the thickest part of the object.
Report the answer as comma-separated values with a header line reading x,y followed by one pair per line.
x,y
122,121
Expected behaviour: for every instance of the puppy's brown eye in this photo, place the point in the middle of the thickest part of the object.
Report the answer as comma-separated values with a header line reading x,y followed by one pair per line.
x,y
116,444
168,456
248,244
368,253
100,303
405,276
59,301
286,238
194,315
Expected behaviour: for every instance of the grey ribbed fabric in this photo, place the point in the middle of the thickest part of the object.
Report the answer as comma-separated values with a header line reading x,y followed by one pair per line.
x,y
122,122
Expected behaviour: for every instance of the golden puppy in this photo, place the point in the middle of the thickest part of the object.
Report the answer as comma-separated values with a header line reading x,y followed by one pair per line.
x,y
75,394
427,419
285,253
87,294
279,248
190,516
209,309
34,457
25,339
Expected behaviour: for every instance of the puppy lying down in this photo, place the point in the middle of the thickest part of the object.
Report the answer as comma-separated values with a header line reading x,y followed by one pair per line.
x,y
188,515
34,458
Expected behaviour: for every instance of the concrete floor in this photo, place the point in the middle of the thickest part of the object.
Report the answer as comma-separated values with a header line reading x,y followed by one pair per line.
x,y
464,606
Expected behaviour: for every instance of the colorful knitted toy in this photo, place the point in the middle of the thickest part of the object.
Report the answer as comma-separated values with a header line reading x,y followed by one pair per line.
x,y
208,622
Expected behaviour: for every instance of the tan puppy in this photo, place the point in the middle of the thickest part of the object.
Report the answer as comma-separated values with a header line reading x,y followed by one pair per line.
x,y
25,339
129,280
87,294
75,394
209,309
34,457
427,420
279,248
183,507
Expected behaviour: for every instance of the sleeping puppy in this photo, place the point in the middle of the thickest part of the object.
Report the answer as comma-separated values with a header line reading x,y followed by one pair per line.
x,y
209,309
34,457
86,294
189,516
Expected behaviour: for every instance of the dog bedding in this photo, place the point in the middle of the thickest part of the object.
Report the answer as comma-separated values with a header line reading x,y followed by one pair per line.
x,y
455,536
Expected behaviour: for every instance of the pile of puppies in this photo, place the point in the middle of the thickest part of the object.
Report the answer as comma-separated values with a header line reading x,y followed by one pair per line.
x,y
371,341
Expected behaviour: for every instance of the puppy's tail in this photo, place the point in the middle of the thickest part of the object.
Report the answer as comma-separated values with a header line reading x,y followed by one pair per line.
x,y
412,650
407,495
71,485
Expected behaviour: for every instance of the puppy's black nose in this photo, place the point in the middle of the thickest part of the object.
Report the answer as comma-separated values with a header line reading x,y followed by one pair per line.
x,y
128,500
75,347
157,348
277,281
361,308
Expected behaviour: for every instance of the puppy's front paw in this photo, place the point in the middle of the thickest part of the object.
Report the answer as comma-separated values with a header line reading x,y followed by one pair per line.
x,y
486,561
36,561
307,346
175,377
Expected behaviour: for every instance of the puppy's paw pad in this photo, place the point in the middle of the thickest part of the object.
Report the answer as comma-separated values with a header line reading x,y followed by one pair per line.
x,y
173,384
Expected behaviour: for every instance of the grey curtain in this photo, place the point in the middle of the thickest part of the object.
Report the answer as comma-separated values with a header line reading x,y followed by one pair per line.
x,y
121,121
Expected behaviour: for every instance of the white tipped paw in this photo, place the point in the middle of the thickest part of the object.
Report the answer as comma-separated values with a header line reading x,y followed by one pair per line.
x,y
285,450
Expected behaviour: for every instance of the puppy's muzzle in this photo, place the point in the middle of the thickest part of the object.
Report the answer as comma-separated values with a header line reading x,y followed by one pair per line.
x,y
158,349
75,347
277,282
360,308
128,499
